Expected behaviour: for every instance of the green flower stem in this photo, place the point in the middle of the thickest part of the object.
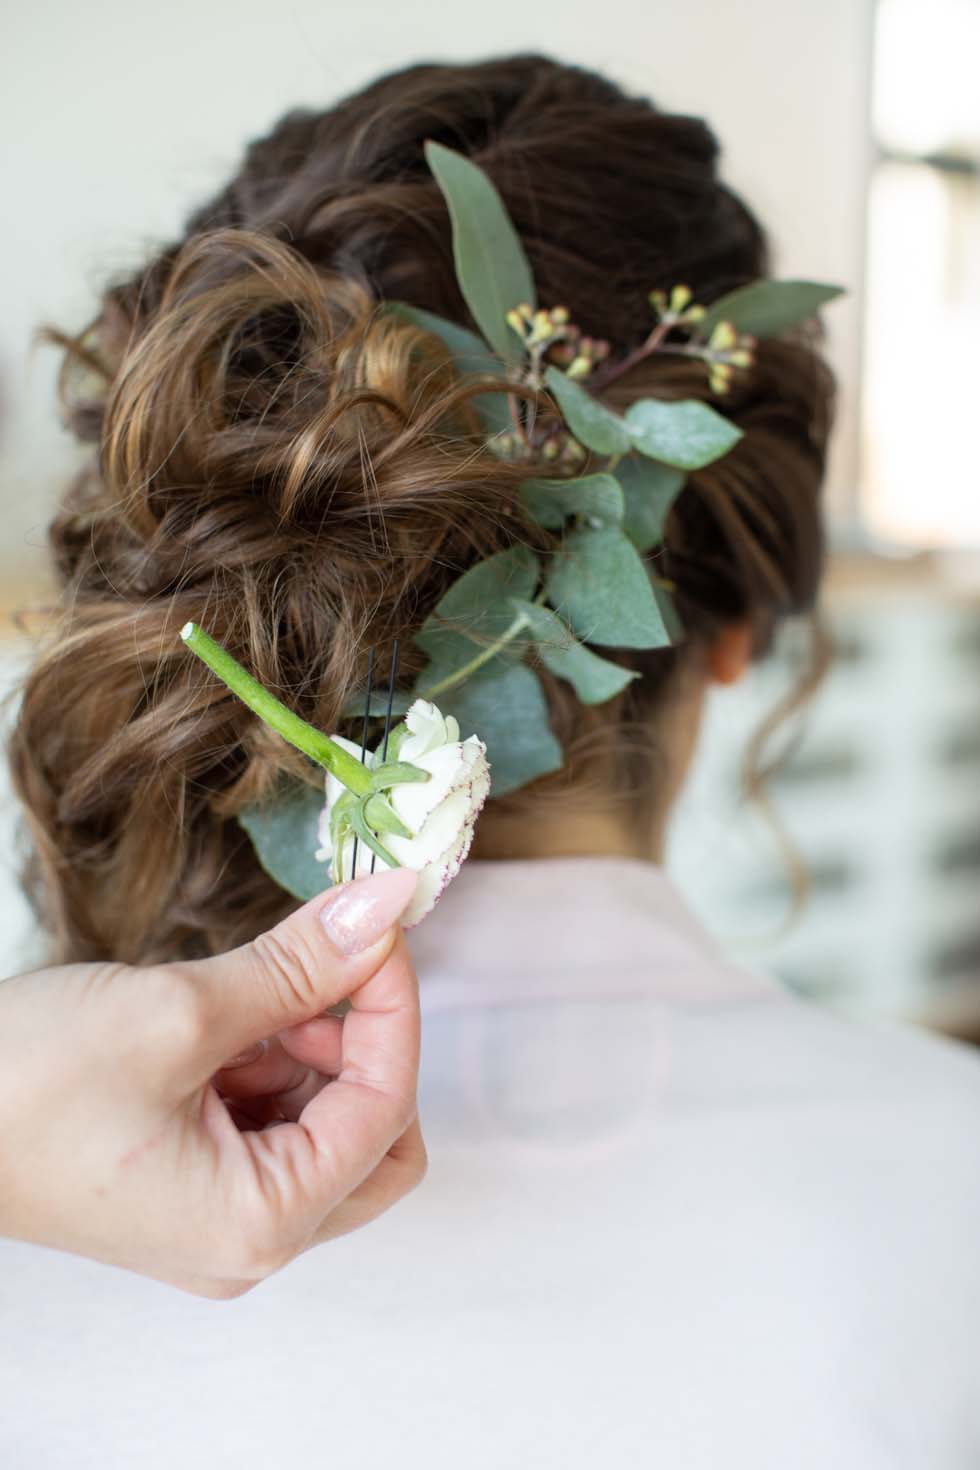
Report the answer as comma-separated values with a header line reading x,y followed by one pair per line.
x,y
319,747
483,657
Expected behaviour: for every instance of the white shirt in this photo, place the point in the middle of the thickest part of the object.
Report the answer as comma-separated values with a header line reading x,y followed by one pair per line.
x,y
674,1217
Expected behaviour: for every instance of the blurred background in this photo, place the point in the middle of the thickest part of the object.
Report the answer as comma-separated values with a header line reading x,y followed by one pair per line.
x,y
853,128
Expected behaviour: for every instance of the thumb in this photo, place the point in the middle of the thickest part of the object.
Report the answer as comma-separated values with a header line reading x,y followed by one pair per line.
x,y
312,959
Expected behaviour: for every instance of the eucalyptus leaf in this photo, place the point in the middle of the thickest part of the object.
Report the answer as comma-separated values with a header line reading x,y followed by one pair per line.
x,y
649,490
354,705
599,583
589,420
470,356
550,502
491,266
594,679
766,308
687,434
507,709
283,830
475,611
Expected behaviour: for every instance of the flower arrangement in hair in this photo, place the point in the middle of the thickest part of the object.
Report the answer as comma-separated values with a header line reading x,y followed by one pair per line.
x,y
409,792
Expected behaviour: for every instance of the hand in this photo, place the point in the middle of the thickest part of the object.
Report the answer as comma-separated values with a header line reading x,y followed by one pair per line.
x,y
124,1137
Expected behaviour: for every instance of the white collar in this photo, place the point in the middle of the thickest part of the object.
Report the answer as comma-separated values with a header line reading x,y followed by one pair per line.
x,y
524,930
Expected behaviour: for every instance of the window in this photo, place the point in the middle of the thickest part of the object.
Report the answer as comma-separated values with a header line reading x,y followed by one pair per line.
x,y
921,414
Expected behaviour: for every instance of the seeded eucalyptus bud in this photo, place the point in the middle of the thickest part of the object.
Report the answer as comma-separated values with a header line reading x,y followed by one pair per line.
x,y
723,337
550,449
741,359
695,313
515,320
658,300
679,298
527,311
719,377
580,368
559,315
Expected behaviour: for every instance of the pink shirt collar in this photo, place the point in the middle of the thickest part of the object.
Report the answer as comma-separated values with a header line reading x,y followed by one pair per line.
x,y
520,931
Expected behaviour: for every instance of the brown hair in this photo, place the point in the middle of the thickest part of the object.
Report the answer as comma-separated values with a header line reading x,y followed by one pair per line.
x,y
304,475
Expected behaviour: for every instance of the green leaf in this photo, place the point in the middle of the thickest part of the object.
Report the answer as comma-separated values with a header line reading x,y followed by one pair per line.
x,y
599,497
476,610
594,679
508,710
598,582
381,816
491,266
589,420
766,308
687,434
283,830
649,490
470,356
354,704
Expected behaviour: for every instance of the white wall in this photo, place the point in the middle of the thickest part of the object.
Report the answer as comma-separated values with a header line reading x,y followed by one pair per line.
x,y
116,117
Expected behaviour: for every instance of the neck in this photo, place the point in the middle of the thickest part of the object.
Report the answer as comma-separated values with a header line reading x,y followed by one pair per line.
x,y
580,833
570,827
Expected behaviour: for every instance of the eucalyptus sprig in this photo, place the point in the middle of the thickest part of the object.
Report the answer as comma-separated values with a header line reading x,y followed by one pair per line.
x,y
514,610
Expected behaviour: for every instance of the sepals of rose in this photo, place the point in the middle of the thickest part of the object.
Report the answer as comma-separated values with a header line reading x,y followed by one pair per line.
x,y
408,820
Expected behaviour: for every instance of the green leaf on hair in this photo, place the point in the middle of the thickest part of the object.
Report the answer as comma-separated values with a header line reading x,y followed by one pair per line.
x,y
597,497
470,356
594,679
766,308
354,704
491,266
687,434
476,611
589,420
506,707
649,490
283,830
599,583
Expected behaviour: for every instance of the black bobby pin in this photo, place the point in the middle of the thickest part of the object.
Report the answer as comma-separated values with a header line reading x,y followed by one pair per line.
x,y
391,697
364,737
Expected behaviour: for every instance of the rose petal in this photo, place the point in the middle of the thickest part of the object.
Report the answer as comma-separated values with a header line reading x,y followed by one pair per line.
x,y
435,879
428,728
448,767
364,856
441,812
436,835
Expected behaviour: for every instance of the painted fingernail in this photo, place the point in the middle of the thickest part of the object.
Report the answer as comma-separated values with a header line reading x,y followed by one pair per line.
x,y
244,1057
357,914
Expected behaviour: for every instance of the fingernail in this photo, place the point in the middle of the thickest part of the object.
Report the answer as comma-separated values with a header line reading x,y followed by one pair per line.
x,y
357,914
244,1057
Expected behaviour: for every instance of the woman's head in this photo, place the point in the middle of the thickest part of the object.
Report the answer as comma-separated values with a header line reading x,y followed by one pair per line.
x,y
305,475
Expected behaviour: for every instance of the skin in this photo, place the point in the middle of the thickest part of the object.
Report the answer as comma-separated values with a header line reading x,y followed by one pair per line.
x,y
204,1123
603,831
128,1135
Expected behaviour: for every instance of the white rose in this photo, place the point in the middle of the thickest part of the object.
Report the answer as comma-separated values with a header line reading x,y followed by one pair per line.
x,y
440,813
